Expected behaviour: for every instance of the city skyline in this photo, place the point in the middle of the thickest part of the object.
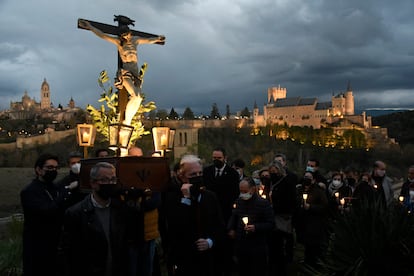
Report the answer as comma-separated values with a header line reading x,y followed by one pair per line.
x,y
216,52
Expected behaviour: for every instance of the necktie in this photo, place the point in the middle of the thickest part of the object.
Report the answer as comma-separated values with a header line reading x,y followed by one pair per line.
x,y
217,172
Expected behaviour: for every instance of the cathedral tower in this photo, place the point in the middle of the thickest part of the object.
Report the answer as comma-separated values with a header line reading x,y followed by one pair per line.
x,y
45,95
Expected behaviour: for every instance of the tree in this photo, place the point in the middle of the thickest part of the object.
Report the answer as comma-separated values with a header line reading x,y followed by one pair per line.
x,y
173,115
245,113
228,111
188,114
214,114
162,114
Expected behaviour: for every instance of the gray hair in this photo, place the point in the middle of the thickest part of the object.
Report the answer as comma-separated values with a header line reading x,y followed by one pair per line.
x,y
189,158
278,166
94,174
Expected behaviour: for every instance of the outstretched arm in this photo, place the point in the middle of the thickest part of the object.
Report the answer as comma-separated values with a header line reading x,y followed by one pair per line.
x,y
150,40
88,26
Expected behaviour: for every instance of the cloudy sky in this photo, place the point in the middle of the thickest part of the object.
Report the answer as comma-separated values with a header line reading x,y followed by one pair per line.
x,y
216,51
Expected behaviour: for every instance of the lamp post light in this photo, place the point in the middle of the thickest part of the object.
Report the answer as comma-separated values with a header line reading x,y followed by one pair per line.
x,y
86,137
163,139
119,136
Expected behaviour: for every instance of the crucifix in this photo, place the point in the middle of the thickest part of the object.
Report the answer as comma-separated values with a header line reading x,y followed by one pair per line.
x,y
129,80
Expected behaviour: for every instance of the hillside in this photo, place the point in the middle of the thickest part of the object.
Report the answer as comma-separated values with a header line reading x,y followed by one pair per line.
x,y
399,126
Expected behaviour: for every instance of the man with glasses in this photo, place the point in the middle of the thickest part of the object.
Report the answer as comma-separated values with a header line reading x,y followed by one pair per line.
x,y
96,228
43,208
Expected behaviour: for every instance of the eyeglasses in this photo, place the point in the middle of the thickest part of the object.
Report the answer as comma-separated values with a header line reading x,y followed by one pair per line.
x,y
51,168
106,180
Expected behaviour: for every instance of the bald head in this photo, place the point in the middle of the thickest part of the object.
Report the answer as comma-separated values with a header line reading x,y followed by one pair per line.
x,y
135,151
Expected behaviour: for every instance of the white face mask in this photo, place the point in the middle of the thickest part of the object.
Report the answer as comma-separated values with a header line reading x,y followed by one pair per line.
x,y
336,183
310,169
75,168
245,196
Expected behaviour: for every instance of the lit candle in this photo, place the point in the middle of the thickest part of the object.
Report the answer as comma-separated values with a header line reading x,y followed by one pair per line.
x,y
342,201
336,194
245,220
163,141
401,198
260,192
305,197
375,186
85,137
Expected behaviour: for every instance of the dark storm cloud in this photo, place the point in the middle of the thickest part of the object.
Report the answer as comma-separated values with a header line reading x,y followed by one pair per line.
x,y
224,52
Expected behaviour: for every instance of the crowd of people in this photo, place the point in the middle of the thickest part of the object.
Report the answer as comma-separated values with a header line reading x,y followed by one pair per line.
x,y
216,220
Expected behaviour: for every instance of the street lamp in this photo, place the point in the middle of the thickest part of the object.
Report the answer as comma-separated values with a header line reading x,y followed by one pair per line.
x,y
163,139
119,136
86,137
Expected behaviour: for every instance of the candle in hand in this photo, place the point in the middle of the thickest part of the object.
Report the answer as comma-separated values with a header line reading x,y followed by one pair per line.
x,y
342,201
305,197
401,198
245,220
336,194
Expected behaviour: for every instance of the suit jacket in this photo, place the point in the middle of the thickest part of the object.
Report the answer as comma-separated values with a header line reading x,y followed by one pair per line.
x,y
226,187
186,224
43,208
86,245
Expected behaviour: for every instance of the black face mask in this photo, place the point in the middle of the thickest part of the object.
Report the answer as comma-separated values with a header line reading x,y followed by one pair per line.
x,y
265,181
350,181
218,163
107,190
197,182
307,182
274,177
49,176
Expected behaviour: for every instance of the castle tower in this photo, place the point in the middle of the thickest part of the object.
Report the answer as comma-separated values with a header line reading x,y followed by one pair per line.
x,y
71,103
349,101
44,95
274,93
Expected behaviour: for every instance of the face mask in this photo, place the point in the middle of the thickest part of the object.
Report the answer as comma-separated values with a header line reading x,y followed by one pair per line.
x,y
310,169
75,168
245,196
265,181
49,176
274,177
106,191
336,183
218,163
256,181
350,181
307,182
381,173
197,182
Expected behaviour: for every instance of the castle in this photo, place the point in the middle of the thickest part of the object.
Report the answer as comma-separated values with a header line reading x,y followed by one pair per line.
x,y
28,107
298,111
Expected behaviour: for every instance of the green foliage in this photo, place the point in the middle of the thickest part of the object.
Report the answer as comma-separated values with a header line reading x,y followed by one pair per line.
x,y
108,112
245,113
173,114
161,114
11,249
398,125
214,114
372,240
188,114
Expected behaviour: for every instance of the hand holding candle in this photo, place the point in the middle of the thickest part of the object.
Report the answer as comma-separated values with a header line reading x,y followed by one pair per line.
x,y
245,220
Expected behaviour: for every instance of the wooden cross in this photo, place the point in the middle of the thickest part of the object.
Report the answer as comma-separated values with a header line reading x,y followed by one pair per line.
x,y
123,22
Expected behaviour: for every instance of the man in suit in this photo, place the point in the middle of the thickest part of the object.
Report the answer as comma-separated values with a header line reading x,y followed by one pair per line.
x,y
223,180
96,228
194,222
